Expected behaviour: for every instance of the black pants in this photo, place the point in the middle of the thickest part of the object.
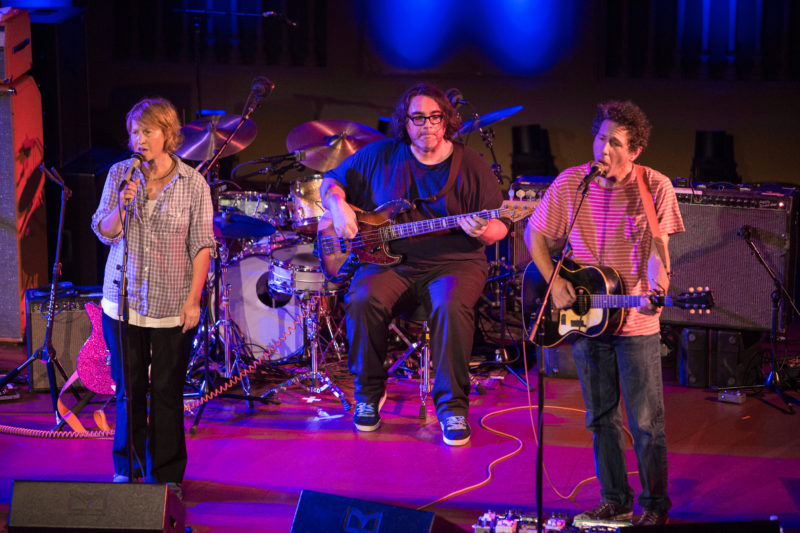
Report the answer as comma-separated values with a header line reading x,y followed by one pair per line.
x,y
158,359
451,290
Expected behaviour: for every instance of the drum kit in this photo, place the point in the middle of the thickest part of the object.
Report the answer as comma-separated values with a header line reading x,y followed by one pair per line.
x,y
273,297
272,294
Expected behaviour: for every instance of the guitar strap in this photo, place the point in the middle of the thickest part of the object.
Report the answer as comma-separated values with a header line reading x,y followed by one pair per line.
x,y
455,166
652,220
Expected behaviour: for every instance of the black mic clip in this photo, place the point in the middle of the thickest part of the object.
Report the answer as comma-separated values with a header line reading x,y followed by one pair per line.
x,y
598,169
745,233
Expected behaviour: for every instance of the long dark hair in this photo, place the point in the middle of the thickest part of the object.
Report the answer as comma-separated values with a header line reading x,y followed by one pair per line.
x,y
451,119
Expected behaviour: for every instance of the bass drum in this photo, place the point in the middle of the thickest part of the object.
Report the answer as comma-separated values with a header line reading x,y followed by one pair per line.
x,y
263,316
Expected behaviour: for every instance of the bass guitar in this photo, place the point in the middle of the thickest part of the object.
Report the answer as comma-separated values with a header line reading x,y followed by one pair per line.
x,y
376,229
600,305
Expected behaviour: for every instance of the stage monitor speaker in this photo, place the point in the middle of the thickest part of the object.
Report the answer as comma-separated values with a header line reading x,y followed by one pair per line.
x,y
71,328
751,526
693,356
87,506
711,252
319,511
23,216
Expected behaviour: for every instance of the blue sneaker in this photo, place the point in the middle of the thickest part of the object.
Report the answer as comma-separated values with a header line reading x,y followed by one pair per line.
x,y
455,431
367,416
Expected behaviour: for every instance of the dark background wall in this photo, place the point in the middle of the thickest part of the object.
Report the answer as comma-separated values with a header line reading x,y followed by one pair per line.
x,y
334,65
692,65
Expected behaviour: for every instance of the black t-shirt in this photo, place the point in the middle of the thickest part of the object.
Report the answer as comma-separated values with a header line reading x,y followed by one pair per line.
x,y
387,170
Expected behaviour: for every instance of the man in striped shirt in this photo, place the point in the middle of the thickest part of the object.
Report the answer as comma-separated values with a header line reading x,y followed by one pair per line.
x,y
612,230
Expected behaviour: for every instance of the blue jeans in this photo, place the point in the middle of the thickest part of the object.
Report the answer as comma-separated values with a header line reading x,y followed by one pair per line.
x,y
605,365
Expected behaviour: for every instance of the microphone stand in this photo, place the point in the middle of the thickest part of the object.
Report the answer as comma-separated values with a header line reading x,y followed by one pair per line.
x,y
535,331
122,318
779,296
47,353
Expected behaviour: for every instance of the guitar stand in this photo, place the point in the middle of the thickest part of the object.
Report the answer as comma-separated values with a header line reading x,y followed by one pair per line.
x,y
313,380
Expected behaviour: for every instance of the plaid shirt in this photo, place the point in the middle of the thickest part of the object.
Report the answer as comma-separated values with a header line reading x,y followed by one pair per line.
x,y
161,244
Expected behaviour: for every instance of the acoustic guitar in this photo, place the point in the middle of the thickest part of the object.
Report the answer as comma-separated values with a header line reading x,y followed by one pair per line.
x,y
600,305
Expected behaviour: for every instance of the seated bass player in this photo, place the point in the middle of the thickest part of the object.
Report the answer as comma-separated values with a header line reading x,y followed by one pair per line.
x,y
444,269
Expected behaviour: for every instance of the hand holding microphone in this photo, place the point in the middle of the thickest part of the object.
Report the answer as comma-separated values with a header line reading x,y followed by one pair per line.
x,y
127,187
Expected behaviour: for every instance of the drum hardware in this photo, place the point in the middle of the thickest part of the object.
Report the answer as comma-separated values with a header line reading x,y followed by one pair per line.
x,y
314,306
323,144
306,204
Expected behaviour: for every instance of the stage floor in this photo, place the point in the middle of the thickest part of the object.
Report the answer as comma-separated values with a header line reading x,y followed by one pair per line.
x,y
247,466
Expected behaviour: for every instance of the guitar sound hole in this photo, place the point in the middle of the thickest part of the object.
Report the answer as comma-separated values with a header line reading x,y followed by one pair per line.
x,y
582,302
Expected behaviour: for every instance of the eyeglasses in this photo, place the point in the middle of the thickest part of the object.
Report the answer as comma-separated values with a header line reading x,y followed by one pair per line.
x,y
419,120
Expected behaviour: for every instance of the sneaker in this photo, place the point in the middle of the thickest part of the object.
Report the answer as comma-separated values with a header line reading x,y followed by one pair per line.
x,y
367,416
455,431
120,478
607,511
651,518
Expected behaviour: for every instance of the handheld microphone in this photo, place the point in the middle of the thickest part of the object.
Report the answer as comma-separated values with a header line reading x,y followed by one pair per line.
x,y
138,159
455,97
598,169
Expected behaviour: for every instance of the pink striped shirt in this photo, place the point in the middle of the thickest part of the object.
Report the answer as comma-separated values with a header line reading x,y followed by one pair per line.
x,y
611,229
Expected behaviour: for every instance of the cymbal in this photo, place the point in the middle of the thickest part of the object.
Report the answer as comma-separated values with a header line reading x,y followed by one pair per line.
x,y
202,137
326,143
489,118
232,225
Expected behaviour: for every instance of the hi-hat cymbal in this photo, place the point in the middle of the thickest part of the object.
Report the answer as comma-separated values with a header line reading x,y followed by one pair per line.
x,y
202,137
231,225
326,143
489,118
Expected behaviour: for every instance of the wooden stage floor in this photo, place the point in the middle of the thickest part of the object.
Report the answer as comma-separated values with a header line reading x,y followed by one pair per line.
x,y
247,466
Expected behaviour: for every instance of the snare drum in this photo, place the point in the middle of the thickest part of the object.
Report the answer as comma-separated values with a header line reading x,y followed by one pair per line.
x,y
294,270
270,207
262,316
306,204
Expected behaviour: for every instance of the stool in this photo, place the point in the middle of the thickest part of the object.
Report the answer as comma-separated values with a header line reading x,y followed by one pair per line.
x,y
418,314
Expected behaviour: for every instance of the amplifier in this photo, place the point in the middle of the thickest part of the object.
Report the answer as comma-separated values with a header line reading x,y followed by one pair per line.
x,y
525,188
713,252
71,328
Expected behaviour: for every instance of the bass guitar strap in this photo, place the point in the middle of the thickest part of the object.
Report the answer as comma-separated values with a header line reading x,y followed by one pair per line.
x,y
455,166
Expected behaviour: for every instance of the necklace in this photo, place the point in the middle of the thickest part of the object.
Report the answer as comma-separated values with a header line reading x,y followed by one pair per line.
x,y
167,174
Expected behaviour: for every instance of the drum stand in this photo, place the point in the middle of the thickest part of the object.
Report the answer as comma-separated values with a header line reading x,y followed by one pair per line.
x,y
313,380
228,334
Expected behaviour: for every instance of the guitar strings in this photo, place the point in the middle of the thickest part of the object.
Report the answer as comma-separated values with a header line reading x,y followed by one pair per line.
x,y
332,243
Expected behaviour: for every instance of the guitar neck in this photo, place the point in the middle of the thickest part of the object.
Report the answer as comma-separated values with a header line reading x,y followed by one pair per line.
x,y
616,301
410,229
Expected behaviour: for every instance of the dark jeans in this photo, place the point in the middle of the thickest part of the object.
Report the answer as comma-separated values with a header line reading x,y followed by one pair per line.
x,y
451,291
159,440
605,364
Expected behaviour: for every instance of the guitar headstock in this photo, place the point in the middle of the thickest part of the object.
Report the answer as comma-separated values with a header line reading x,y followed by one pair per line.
x,y
518,209
695,300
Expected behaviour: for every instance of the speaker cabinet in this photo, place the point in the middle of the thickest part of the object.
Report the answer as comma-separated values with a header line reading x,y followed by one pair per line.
x,y
15,44
59,65
23,216
71,328
318,511
73,506
693,356
712,252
